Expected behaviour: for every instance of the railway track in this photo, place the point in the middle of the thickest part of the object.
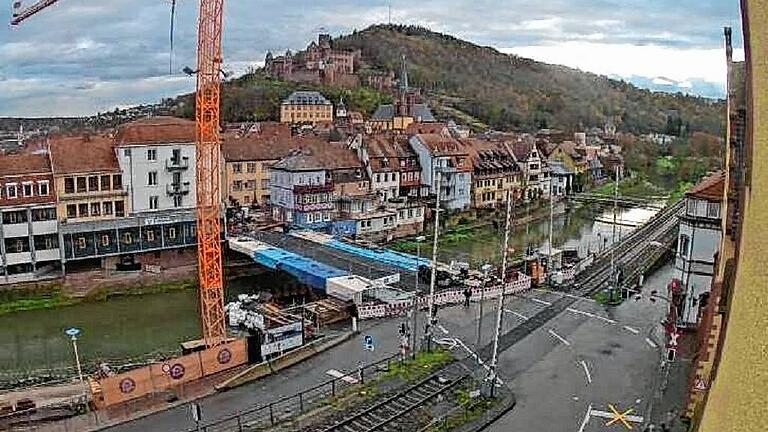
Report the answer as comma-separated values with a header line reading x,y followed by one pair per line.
x,y
631,250
391,413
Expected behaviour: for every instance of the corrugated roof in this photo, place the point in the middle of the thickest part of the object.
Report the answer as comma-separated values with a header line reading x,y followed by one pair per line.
x,y
82,154
156,130
710,187
24,163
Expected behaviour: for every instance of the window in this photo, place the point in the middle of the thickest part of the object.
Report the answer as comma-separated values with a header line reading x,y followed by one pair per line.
x,y
690,206
46,242
117,182
95,209
176,156
713,210
177,200
105,186
684,244
14,217
106,206
152,178
151,155
247,199
93,183
11,191
378,178
69,185
150,235
265,184
105,240
153,202
46,214
81,184
237,168
127,238
81,243
251,185
26,189
82,210
127,152
251,167
42,188
119,209
237,185
71,211
172,233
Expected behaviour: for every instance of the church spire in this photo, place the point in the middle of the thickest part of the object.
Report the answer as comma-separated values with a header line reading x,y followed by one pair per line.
x,y
403,74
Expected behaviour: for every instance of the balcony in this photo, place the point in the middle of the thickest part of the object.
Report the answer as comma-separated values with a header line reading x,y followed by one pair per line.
x,y
302,189
311,207
177,164
177,189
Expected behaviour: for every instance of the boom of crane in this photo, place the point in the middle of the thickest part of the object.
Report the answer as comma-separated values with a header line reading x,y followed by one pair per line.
x,y
209,60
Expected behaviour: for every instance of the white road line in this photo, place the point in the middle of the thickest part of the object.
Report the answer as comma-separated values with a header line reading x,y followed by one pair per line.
x,y
591,315
586,418
546,303
521,316
651,343
442,329
631,330
605,414
586,372
342,376
558,337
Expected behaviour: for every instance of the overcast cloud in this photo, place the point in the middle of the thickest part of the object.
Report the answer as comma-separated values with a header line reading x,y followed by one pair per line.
x,y
83,56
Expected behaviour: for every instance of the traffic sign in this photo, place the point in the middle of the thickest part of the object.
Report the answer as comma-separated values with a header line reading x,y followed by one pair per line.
x,y
673,337
368,342
700,384
72,331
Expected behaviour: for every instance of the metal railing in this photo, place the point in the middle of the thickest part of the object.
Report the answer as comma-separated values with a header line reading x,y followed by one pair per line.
x,y
288,407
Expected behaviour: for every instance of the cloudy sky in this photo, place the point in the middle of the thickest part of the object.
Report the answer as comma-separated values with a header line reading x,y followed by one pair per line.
x,y
83,56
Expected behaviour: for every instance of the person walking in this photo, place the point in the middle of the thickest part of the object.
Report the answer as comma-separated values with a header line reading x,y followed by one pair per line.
x,y
467,296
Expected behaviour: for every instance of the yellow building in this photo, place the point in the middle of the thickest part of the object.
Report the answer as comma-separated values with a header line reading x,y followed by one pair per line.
x,y
88,181
246,160
306,107
737,398
494,172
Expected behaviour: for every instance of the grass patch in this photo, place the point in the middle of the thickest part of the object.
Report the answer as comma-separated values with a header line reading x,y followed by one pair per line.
x,y
36,303
420,366
601,297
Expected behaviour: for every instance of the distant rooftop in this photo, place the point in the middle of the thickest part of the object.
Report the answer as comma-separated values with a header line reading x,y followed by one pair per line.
x,y
306,98
387,112
710,187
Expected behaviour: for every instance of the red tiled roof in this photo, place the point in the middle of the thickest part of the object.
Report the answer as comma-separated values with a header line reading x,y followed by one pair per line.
x,y
710,187
24,163
425,128
441,145
82,153
311,153
156,130
270,141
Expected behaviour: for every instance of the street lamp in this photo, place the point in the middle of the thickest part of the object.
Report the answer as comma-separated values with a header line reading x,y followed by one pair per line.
x,y
72,332
419,240
486,268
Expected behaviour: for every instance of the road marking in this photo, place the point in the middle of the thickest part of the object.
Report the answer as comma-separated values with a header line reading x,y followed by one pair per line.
x,y
603,414
546,303
521,316
631,330
566,295
442,329
586,418
591,315
586,372
342,376
651,343
558,337
620,417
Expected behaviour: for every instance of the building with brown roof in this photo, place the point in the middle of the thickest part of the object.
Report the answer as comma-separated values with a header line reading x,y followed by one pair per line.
x,y
495,173
698,241
247,156
29,240
444,157
533,164
88,181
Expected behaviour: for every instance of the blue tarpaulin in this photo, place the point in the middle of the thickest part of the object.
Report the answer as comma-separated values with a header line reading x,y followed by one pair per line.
x,y
306,270
386,256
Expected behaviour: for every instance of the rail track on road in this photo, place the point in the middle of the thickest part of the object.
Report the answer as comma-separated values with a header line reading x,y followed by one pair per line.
x,y
391,413
631,251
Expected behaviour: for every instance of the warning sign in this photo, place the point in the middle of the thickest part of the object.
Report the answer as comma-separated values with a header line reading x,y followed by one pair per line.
x,y
700,384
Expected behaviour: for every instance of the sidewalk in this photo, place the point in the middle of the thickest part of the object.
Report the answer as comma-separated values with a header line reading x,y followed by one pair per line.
x,y
670,397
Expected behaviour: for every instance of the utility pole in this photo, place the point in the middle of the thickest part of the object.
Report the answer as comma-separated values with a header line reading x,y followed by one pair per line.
x,y
419,239
613,239
550,266
486,269
433,278
500,304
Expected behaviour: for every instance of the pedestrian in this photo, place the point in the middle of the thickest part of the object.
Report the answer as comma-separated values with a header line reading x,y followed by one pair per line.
x,y
467,296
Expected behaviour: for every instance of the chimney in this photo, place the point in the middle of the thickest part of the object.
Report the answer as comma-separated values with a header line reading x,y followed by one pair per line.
x,y
728,44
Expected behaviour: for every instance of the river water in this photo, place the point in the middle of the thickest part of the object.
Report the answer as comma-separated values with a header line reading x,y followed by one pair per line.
x,y
129,328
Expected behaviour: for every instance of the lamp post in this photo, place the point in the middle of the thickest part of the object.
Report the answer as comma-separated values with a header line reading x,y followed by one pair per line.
x,y
418,239
72,333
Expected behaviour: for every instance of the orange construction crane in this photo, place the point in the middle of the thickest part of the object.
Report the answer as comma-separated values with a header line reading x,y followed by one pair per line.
x,y
208,142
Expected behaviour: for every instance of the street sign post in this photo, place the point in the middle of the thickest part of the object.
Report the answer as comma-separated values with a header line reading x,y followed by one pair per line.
x,y
368,343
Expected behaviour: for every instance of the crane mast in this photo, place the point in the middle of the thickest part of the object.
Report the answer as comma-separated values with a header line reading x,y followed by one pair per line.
x,y
209,60
210,278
